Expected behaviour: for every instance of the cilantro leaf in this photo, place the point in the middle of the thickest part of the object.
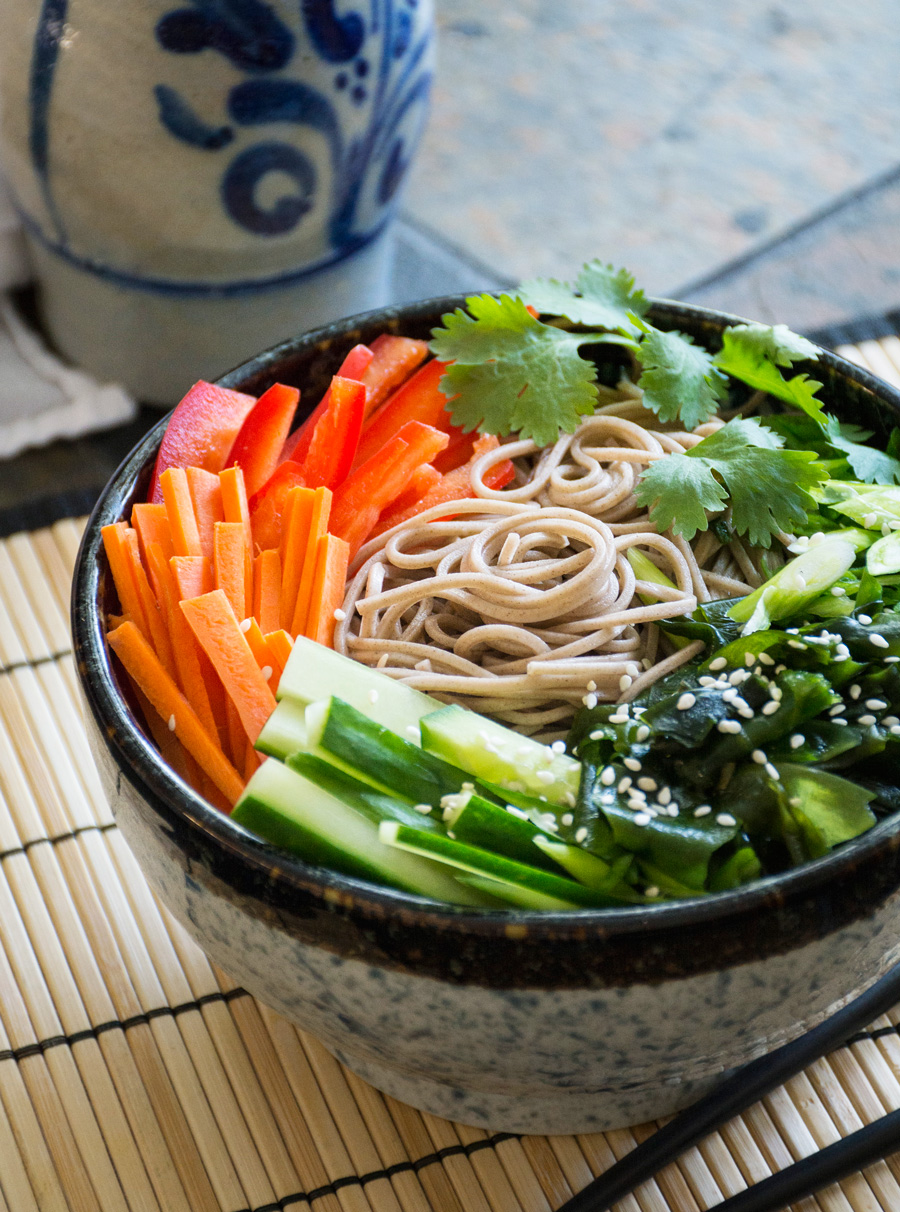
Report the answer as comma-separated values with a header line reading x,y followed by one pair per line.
x,y
753,353
742,463
680,380
511,373
867,464
607,297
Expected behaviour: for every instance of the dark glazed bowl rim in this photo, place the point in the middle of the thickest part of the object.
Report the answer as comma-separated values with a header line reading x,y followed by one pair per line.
x,y
277,881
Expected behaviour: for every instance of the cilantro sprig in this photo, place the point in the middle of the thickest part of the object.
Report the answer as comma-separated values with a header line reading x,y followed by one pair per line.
x,y
742,463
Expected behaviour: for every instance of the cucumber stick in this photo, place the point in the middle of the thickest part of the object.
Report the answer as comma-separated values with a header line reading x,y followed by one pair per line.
x,y
351,741
377,805
517,883
315,672
284,732
480,823
498,755
288,810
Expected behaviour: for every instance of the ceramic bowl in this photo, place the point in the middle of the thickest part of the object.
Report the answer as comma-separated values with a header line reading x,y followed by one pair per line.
x,y
516,1021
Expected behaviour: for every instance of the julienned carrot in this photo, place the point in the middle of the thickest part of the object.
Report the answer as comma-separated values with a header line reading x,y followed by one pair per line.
x,y
267,590
267,506
393,361
371,488
280,646
237,737
206,497
298,512
234,501
230,563
144,668
332,558
180,512
418,399
184,646
173,752
157,633
217,629
122,569
152,525
193,575
261,651
318,525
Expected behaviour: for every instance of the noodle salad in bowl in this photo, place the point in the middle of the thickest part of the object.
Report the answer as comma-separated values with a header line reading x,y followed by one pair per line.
x,y
556,610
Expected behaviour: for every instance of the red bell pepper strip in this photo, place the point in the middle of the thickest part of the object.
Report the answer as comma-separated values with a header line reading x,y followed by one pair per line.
x,y
201,431
353,367
267,505
454,486
418,399
394,360
257,447
336,435
371,488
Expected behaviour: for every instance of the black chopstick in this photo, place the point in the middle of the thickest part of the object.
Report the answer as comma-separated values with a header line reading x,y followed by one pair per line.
x,y
739,1091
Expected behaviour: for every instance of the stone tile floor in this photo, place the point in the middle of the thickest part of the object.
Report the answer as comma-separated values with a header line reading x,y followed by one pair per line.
x,y
739,153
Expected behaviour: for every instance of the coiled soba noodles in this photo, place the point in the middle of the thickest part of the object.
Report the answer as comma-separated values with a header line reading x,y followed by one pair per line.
x,y
524,604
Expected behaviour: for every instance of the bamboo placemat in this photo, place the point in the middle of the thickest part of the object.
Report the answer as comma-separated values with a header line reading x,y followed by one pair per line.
x,y
135,1077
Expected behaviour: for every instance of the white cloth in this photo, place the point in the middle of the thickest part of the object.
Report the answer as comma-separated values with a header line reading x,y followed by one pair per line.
x,y
41,398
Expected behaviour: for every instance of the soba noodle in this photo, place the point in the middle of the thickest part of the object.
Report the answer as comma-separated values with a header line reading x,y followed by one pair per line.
x,y
524,604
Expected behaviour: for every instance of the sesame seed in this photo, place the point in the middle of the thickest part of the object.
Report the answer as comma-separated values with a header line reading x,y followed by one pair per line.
x,y
558,746
245,625
590,701
625,681
706,681
731,726
837,709
581,834
878,641
665,796
796,644
855,691
451,835
641,818
652,891
876,704
545,776
728,696
685,702
596,735
891,660
870,521
780,669
771,771
607,776
895,729
745,711
890,720
382,660
766,659
838,591
703,810
267,672
631,763
171,723
749,658
636,804
568,819
425,809
739,675
726,819
839,720
759,757
797,740
514,810
775,692
339,615
642,733
624,784
717,664
865,619
591,686
618,718
373,696
647,784
866,720
771,708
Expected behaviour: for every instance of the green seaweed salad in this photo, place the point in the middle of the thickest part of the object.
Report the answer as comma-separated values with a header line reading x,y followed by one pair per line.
x,y
778,739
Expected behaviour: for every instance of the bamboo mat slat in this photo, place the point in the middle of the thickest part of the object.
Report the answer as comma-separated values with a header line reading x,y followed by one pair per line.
x,y
136,1077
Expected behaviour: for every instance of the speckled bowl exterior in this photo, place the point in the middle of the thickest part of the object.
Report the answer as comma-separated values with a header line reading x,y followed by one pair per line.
x,y
516,1021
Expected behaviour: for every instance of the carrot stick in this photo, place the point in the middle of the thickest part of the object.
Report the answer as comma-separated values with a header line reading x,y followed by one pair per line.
x,y
152,525
184,647
180,512
193,575
267,590
217,629
237,737
318,525
261,652
157,632
295,530
206,497
280,645
171,750
252,761
122,569
332,558
234,501
231,565
144,667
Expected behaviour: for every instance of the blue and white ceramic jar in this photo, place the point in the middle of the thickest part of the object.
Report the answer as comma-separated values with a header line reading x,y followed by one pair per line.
x,y
201,179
